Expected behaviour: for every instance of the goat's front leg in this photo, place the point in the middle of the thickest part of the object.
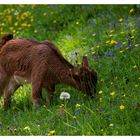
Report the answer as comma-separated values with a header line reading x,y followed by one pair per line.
x,y
37,81
50,90
36,93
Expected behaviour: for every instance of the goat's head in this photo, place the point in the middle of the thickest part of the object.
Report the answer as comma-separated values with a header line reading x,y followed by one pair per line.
x,y
85,78
5,38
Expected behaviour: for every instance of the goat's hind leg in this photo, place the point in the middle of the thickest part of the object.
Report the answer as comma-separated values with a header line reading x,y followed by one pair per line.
x,y
4,79
9,91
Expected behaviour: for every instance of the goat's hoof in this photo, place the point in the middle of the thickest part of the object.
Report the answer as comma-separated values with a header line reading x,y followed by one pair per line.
x,y
36,103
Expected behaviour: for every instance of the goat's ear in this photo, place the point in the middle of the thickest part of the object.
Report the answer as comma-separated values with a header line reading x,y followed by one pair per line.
x,y
85,62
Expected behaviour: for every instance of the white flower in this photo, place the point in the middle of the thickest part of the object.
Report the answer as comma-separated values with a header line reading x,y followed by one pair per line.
x,y
64,95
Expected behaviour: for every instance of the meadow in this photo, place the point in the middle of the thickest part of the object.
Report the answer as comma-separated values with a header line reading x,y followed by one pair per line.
x,y
109,36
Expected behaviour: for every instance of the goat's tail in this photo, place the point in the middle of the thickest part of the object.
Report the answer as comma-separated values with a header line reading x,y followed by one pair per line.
x,y
5,38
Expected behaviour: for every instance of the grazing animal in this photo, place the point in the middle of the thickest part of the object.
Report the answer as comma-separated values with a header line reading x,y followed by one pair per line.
x,y
42,65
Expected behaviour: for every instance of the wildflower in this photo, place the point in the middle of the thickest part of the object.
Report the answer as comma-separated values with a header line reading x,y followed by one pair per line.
x,y
112,31
124,43
132,37
133,30
77,105
35,31
121,51
93,52
44,14
16,24
131,11
77,22
139,78
122,33
101,100
111,35
113,42
136,45
102,130
112,93
107,41
121,19
100,92
126,48
52,132
74,117
111,125
134,66
98,46
61,106
136,85
93,34
111,83
9,18
122,107
27,128
64,95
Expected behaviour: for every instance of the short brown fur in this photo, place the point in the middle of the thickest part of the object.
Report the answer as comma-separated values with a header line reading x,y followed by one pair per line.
x,y
41,64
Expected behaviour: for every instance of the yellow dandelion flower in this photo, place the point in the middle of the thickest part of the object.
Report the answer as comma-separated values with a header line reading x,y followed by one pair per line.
x,y
121,19
134,66
93,52
61,106
131,11
112,31
9,18
136,45
124,43
121,51
112,93
77,22
132,37
35,31
122,33
111,83
97,46
44,14
108,41
74,117
111,35
14,31
126,48
139,78
26,128
122,107
77,105
16,24
52,132
133,30
102,130
100,92
101,100
113,42
111,125
93,34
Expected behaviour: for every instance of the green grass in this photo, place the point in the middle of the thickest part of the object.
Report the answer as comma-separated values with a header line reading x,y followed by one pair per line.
x,y
109,36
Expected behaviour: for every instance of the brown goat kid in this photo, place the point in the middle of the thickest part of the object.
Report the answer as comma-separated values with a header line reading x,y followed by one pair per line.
x,y
42,65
